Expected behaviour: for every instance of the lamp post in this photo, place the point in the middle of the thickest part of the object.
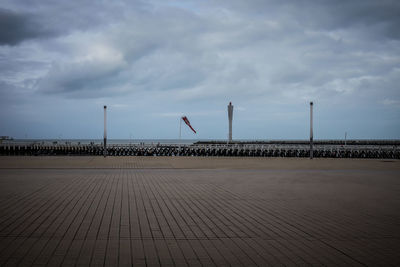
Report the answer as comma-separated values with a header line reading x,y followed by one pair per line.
x,y
105,131
311,130
230,117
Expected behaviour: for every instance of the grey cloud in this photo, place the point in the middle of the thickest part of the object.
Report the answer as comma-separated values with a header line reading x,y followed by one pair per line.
x,y
56,18
12,96
155,54
19,69
291,75
17,27
346,13
65,16
259,54
82,80
380,17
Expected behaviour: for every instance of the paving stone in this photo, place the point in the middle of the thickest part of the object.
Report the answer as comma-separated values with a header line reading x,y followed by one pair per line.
x,y
123,216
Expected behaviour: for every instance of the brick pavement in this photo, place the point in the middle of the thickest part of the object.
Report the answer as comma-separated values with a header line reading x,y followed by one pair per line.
x,y
199,217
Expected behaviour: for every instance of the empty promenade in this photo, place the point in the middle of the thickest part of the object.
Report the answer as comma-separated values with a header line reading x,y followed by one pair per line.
x,y
199,211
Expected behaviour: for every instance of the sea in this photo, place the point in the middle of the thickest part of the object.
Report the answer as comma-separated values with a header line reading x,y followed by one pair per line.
x,y
100,141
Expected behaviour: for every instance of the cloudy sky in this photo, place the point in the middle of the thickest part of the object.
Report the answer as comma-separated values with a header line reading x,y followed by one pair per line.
x,y
152,61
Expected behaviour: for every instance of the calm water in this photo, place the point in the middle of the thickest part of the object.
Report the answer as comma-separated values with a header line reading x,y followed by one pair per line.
x,y
112,141
100,141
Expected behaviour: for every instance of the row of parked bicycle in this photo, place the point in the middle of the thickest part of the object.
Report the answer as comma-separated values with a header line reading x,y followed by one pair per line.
x,y
336,152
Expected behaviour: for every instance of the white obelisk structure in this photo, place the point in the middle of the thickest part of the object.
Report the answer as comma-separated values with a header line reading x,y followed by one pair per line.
x,y
230,117
105,131
311,130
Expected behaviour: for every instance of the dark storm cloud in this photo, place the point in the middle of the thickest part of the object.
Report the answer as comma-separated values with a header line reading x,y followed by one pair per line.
x,y
56,18
342,13
17,27
379,17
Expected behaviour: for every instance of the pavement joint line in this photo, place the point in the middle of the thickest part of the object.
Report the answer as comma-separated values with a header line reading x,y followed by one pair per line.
x,y
210,170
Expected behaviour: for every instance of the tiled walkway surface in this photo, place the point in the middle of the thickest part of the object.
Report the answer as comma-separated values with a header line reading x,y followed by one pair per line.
x,y
199,217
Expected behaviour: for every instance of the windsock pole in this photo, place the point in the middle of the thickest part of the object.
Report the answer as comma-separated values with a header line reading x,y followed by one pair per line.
x,y
180,134
180,128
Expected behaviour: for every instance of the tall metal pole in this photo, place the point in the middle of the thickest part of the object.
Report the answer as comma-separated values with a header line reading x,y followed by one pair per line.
x,y
311,130
230,117
180,128
105,131
345,138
